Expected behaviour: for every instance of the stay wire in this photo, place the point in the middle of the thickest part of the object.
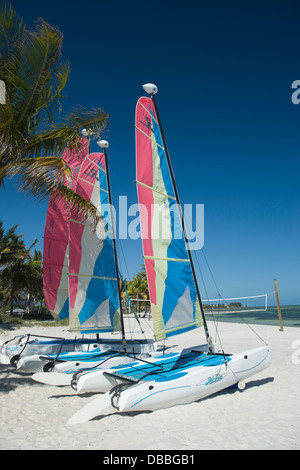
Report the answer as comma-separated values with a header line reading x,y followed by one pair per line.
x,y
216,322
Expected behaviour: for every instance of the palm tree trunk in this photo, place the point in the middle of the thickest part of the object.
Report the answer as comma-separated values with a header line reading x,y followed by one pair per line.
x,y
12,302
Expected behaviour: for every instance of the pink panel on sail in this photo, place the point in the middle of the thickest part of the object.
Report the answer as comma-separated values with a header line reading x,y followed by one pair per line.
x,y
56,236
144,175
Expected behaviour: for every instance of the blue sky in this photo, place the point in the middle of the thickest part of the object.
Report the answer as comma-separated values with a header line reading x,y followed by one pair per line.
x,y
224,72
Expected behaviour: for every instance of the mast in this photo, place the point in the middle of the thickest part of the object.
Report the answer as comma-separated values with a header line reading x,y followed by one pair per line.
x,y
152,90
88,135
104,145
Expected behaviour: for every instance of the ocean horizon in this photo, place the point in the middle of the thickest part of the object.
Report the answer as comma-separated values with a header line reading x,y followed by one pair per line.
x,y
290,316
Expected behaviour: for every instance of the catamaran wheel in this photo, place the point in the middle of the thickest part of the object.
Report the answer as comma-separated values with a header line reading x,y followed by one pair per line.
x,y
14,360
241,385
48,367
74,383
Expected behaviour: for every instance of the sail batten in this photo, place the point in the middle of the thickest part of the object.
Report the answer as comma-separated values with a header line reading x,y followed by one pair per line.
x,y
95,186
174,302
156,190
152,140
167,259
91,276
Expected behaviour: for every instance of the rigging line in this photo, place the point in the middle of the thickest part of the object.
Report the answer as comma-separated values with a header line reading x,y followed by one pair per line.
x,y
119,247
216,321
193,228
250,327
213,278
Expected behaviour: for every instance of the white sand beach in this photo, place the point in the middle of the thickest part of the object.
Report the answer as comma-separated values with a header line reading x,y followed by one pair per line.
x,y
263,416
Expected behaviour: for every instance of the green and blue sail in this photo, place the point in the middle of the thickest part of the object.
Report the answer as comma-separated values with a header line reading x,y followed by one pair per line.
x,y
174,302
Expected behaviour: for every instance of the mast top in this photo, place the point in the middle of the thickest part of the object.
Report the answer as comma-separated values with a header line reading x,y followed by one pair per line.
x,y
150,88
103,144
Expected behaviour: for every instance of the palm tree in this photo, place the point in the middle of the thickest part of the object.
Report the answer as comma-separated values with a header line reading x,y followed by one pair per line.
x,y
31,138
138,287
35,276
14,280
12,246
18,270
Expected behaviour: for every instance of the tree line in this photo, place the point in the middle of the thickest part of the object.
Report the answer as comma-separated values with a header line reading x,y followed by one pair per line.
x,y
21,276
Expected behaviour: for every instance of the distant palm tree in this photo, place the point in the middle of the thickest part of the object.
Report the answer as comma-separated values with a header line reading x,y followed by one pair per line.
x,y
17,279
138,287
31,139
19,272
12,246
35,275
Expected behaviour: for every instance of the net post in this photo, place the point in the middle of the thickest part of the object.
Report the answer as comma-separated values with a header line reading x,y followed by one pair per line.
x,y
278,305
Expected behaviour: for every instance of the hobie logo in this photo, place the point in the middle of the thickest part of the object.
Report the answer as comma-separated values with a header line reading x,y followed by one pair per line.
x,y
214,378
2,92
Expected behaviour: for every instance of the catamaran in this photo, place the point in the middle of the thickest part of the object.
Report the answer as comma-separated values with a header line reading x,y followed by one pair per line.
x,y
81,278
176,305
55,272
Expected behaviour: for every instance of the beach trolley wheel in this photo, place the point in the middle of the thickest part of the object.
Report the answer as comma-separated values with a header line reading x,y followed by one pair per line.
x,y
241,385
14,360
74,383
48,367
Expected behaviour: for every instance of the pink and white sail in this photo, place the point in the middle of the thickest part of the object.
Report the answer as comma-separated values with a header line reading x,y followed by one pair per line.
x,y
56,240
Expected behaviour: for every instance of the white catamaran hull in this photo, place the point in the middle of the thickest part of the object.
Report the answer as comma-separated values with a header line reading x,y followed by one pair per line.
x,y
62,374
32,358
193,384
101,380
178,386
23,346
38,363
96,380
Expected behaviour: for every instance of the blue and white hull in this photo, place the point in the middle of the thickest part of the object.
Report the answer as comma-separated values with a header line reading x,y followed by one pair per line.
x,y
31,355
178,383
192,384
28,345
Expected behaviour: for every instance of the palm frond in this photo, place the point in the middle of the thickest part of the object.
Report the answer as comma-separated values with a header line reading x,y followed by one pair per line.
x,y
31,139
54,140
84,210
11,31
51,95
39,176
50,176
39,61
